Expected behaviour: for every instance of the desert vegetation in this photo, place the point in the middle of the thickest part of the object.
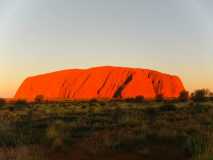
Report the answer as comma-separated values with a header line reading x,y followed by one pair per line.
x,y
133,129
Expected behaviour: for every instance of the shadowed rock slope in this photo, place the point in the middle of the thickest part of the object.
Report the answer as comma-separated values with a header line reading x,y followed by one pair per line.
x,y
100,83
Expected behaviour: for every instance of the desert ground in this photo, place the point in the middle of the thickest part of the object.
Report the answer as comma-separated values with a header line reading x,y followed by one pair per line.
x,y
109,130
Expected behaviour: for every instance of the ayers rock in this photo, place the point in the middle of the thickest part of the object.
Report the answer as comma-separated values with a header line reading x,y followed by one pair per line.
x,y
100,83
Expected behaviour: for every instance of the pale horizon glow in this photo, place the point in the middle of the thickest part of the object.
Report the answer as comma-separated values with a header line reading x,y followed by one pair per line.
x,y
40,36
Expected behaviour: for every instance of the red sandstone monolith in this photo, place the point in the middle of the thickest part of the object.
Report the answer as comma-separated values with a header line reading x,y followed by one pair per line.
x,y
100,83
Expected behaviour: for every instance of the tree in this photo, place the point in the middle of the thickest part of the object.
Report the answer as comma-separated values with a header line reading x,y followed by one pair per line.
x,y
39,99
159,98
139,99
200,95
184,96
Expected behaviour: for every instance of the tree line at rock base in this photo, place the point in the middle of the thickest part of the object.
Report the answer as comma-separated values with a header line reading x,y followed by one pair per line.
x,y
200,95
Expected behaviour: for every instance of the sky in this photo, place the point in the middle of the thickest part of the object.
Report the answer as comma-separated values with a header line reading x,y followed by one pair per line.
x,y
171,36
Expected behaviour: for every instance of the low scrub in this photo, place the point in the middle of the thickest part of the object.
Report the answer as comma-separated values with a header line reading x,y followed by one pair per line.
x,y
150,130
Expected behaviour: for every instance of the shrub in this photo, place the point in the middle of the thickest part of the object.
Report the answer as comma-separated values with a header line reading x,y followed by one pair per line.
x,y
200,95
139,98
201,108
159,98
7,135
168,107
58,135
39,99
195,145
184,96
20,103
152,113
136,99
2,102
211,98
93,102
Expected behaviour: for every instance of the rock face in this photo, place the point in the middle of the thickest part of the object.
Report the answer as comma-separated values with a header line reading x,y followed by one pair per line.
x,y
100,83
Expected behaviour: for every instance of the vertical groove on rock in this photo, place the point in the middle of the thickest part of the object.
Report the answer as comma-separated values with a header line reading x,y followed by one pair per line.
x,y
105,81
121,88
85,80
62,90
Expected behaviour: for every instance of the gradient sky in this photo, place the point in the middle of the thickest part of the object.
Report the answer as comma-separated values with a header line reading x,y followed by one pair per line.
x,y
172,36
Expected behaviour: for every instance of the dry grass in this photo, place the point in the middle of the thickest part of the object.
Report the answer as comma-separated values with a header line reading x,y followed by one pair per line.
x,y
94,129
